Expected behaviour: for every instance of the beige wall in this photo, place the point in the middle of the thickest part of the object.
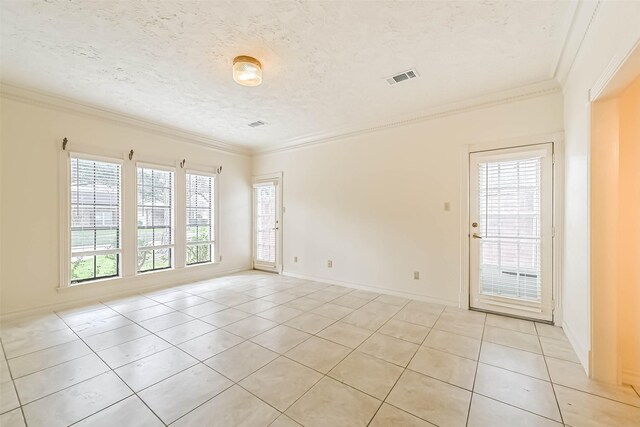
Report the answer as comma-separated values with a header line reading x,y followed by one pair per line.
x,y
629,232
614,30
374,203
604,178
615,237
31,136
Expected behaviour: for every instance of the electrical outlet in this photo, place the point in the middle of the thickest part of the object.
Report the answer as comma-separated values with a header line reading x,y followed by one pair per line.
x,y
416,275
447,206
295,259
330,264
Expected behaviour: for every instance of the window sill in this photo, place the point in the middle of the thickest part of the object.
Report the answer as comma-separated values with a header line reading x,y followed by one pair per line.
x,y
166,277
89,283
154,272
201,264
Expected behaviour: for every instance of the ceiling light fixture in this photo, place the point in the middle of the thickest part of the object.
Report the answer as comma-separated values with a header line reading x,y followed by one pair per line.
x,y
247,71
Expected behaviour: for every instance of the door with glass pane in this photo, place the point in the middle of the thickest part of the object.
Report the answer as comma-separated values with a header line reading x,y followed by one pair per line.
x,y
266,224
510,231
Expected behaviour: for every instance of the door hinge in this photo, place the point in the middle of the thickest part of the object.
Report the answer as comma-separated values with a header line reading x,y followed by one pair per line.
x,y
553,159
553,232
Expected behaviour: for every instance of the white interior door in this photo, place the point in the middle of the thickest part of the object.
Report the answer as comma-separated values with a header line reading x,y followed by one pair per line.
x,y
510,231
267,208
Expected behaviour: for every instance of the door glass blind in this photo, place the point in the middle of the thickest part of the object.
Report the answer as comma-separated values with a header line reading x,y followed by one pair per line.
x,y
265,200
155,219
200,214
95,219
509,206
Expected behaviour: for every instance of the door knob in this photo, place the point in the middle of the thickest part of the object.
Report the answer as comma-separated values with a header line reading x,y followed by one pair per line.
x,y
477,236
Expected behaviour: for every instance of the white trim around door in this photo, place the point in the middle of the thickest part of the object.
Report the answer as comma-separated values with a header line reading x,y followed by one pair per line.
x,y
555,206
267,222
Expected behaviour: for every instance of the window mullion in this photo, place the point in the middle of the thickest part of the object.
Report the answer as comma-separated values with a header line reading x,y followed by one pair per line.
x,y
179,227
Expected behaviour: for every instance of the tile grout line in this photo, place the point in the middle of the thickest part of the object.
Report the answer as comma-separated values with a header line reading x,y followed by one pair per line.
x,y
256,370
555,396
323,375
14,386
405,370
478,362
113,370
234,383
306,311
120,378
475,375
198,361
171,346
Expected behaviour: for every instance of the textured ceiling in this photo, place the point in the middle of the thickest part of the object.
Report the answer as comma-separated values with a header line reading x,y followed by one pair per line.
x,y
324,62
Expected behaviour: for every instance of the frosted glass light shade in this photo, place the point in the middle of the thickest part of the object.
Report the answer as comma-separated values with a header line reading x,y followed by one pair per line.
x,y
247,71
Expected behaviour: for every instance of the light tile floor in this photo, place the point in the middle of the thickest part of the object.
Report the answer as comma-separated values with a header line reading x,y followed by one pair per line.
x,y
256,349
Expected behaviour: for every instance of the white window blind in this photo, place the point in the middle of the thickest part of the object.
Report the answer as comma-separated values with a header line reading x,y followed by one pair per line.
x,y
265,209
510,215
95,219
200,218
155,219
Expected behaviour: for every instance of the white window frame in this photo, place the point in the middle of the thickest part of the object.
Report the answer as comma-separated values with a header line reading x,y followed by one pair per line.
x,y
128,216
174,219
64,163
205,171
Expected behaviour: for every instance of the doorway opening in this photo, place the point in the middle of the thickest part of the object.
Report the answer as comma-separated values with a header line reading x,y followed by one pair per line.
x,y
614,231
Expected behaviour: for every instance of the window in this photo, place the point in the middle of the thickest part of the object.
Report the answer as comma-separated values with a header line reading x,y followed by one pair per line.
x,y
265,222
95,219
155,219
114,228
200,216
510,195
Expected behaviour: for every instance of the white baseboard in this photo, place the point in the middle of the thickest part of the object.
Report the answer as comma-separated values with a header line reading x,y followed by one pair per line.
x,y
419,297
581,351
631,378
142,285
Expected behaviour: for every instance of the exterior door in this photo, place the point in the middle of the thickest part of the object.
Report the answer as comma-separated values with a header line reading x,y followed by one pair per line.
x,y
267,208
511,231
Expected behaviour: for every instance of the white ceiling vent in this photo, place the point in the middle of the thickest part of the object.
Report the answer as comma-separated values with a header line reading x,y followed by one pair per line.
x,y
257,124
401,77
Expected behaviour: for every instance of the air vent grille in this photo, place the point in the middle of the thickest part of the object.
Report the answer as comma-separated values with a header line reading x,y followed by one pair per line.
x,y
257,124
401,77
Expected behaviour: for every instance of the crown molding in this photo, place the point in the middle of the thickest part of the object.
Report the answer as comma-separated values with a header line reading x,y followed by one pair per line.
x,y
40,98
568,26
65,104
583,16
497,98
